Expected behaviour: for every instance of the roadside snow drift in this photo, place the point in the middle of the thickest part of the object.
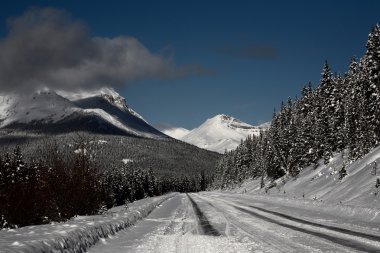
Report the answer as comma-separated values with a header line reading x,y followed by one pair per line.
x,y
79,233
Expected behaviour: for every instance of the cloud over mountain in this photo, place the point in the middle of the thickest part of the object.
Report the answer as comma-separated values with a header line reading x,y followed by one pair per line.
x,y
48,48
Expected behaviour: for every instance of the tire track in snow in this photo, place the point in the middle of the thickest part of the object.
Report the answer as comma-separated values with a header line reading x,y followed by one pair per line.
x,y
228,224
244,230
344,242
333,228
205,225
187,227
362,235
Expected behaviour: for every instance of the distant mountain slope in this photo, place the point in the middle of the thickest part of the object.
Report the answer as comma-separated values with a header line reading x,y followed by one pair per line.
x,y
175,132
166,157
221,133
46,111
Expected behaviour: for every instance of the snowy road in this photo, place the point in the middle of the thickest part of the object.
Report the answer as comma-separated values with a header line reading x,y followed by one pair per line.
x,y
217,222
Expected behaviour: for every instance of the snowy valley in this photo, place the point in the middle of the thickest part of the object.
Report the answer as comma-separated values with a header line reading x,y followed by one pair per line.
x,y
83,172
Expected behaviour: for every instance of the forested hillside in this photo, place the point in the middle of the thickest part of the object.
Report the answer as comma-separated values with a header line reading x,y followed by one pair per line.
x,y
165,157
342,113
60,177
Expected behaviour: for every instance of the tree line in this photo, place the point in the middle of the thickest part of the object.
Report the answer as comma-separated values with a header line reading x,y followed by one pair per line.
x,y
60,182
341,114
166,157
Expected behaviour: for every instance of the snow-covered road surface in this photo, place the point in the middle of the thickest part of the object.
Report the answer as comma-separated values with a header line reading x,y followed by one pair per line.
x,y
220,222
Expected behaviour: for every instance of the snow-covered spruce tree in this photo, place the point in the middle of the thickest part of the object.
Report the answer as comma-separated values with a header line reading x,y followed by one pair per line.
x,y
203,181
371,66
23,191
306,126
18,190
337,123
372,56
297,144
352,110
274,168
284,138
325,104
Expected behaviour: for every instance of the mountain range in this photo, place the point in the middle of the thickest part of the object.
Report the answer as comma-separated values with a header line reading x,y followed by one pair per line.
x,y
106,112
38,121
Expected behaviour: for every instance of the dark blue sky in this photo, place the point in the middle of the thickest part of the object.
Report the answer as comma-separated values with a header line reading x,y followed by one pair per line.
x,y
257,53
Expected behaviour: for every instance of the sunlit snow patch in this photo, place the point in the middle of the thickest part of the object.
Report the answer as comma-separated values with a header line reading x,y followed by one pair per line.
x,y
126,161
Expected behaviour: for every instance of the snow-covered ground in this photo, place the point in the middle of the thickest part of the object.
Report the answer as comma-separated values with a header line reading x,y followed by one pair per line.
x,y
79,233
205,222
175,226
270,225
231,222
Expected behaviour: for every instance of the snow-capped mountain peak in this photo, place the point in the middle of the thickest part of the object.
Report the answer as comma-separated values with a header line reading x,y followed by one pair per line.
x,y
107,93
114,98
229,121
103,111
219,133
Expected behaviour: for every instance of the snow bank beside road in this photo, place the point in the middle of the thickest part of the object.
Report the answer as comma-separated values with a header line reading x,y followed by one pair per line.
x,y
323,183
78,234
319,192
